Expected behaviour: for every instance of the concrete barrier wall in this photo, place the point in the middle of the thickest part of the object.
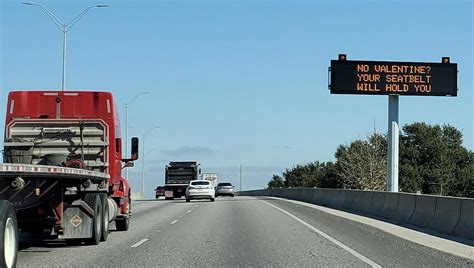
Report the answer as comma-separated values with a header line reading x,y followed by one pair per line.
x,y
137,196
365,201
378,201
465,226
307,195
390,206
448,215
339,197
406,207
425,207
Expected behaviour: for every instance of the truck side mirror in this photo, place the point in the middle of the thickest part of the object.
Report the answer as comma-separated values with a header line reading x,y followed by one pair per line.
x,y
134,155
130,164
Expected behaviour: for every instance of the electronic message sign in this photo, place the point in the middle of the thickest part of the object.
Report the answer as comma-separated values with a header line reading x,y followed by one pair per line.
x,y
393,78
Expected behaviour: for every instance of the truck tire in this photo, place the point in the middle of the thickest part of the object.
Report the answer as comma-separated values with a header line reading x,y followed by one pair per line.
x,y
94,201
105,217
8,235
122,224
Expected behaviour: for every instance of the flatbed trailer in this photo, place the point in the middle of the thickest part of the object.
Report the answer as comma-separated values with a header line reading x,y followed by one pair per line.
x,y
69,203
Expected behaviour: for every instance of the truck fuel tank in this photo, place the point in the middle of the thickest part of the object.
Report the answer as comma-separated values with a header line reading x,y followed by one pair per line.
x,y
113,209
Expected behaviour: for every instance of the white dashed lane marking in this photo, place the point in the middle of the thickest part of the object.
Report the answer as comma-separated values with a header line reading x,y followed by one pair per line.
x,y
139,243
173,222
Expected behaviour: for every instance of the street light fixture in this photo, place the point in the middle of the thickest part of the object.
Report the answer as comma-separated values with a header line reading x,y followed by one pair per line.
x,y
143,158
126,124
64,27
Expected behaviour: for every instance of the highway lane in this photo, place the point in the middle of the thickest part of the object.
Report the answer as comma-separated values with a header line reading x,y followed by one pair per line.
x,y
241,231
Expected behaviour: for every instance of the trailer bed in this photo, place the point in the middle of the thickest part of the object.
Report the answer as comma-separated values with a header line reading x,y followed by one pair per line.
x,y
26,170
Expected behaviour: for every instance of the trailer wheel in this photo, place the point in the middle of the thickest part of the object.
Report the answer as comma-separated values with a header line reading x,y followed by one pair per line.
x,y
93,200
105,217
8,235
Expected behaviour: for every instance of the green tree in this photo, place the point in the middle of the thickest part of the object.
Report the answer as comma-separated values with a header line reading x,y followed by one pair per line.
x,y
330,179
466,185
433,161
363,164
276,182
313,174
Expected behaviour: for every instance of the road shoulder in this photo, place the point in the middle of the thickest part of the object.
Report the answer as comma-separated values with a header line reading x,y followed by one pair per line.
x,y
434,242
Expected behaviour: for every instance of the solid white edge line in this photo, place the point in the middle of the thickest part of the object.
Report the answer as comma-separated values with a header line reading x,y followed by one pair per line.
x,y
139,243
173,222
427,240
328,237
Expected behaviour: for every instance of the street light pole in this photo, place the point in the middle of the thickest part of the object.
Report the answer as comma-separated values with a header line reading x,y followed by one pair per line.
x,y
143,159
126,125
64,27
126,131
63,80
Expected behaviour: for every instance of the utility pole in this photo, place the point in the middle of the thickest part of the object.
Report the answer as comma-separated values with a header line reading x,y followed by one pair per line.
x,y
240,184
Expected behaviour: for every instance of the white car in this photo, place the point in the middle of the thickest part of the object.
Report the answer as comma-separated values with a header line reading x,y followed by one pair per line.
x,y
200,189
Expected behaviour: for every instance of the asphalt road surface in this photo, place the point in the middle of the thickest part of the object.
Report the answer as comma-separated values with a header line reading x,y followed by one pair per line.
x,y
240,231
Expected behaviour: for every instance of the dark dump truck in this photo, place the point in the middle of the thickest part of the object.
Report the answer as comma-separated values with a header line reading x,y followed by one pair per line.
x,y
178,175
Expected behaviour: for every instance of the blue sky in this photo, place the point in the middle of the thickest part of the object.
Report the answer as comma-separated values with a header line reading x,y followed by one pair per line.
x,y
236,82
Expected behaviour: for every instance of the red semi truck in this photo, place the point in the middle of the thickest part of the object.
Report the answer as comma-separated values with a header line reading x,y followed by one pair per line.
x,y
62,164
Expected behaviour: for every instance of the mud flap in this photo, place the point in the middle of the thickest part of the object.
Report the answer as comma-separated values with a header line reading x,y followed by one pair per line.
x,y
77,221
169,194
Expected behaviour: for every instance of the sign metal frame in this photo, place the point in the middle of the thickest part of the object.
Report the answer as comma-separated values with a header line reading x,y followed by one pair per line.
x,y
343,78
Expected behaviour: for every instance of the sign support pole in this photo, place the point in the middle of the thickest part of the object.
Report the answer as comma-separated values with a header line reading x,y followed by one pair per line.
x,y
393,145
